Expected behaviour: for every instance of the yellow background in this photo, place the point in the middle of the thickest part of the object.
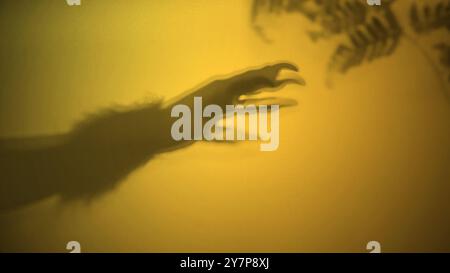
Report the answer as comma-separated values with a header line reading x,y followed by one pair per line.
x,y
366,160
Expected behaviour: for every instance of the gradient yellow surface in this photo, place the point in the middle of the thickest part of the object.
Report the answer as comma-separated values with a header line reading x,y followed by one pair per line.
x,y
366,160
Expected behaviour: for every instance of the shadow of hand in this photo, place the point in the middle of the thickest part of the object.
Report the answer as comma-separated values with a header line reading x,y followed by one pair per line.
x,y
103,150
231,90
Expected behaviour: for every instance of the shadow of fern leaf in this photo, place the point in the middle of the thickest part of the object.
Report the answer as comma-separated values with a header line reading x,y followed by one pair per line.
x,y
370,32
375,39
428,17
444,56
334,17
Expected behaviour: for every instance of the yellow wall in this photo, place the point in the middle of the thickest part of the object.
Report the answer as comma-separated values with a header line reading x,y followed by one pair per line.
x,y
366,160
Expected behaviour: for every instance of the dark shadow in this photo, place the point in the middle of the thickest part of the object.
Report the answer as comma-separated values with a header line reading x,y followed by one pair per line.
x,y
365,33
102,150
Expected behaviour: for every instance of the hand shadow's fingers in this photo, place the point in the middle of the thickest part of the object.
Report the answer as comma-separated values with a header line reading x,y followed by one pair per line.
x,y
281,102
270,71
279,66
284,82
280,84
269,85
